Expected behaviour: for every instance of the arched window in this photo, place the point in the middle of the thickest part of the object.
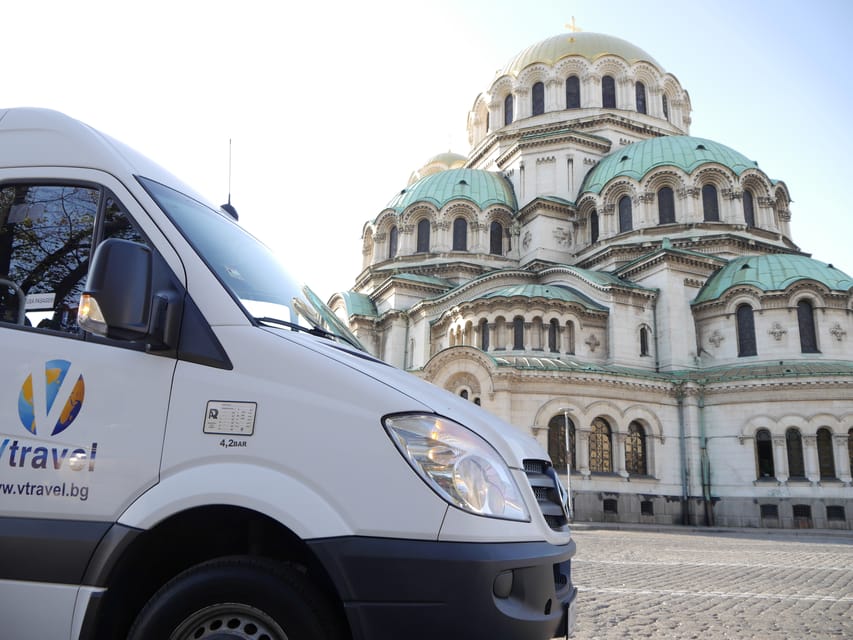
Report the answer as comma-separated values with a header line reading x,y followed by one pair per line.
x,y
496,238
636,463
625,214
573,92
561,442
608,92
640,91
423,236
392,242
463,394
553,333
600,451
644,341
805,320
764,454
518,333
538,96
484,334
794,447
825,454
593,226
745,331
508,110
748,208
460,234
710,205
665,107
666,206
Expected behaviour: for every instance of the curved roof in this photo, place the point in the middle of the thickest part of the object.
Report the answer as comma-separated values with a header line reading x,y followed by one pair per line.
x,y
44,137
358,304
448,158
440,162
483,188
685,152
549,292
588,45
772,273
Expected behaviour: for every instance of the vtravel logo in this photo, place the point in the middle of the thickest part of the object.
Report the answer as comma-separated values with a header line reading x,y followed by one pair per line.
x,y
55,372
48,404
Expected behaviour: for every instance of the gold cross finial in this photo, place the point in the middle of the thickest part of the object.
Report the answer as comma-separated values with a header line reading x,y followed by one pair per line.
x,y
572,27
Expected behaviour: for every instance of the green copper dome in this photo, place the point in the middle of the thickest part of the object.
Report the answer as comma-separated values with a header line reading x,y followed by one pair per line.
x,y
483,188
772,273
587,45
685,152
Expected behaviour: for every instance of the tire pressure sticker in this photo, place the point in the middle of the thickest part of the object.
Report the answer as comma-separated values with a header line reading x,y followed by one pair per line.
x,y
230,418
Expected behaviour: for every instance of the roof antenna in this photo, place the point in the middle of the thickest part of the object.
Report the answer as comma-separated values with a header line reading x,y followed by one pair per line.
x,y
227,208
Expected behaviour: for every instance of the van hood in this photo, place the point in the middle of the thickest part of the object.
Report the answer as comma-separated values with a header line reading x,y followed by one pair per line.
x,y
513,445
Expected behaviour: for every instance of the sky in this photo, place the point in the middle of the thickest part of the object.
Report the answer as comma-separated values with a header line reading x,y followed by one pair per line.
x,y
315,115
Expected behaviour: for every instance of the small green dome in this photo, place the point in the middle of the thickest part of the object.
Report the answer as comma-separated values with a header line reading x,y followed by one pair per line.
x,y
772,273
587,45
483,188
685,152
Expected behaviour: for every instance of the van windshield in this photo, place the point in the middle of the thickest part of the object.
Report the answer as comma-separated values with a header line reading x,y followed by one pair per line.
x,y
248,268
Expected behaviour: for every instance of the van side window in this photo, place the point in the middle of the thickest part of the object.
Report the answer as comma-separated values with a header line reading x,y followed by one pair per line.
x,y
46,239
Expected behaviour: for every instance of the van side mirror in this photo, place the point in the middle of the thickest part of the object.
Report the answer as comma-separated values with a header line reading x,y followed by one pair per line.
x,y
119,301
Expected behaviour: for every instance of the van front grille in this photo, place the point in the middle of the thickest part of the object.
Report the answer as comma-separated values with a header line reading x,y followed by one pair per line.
x,y
549,492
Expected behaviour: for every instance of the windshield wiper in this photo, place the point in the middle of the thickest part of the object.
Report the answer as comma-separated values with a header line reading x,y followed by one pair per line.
x,y
314,330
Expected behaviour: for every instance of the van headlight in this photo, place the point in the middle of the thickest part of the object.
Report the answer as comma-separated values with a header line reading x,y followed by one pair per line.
x,y
458,464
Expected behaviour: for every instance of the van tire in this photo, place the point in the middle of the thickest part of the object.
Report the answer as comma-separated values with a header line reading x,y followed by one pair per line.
x,y
238,598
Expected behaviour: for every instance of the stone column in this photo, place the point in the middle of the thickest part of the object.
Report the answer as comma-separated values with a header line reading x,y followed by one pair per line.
x,y
582,451
619,454
810,458
780,458
842,458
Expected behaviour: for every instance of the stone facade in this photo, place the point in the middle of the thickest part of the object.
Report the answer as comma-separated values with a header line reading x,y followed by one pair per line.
x,y
626,293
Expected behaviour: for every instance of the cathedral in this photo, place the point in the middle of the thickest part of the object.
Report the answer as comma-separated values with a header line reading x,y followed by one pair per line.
x,y
627,294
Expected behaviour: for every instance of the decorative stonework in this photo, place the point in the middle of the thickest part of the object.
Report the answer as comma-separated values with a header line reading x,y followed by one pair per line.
x,y
838,332
716,339
562,236
693,283
777,331
527,239
592,342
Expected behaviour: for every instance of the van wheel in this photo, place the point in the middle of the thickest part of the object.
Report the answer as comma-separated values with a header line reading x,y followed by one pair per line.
x,y
238,598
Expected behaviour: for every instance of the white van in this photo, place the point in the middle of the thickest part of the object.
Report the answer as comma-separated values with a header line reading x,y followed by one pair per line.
x,y
192,447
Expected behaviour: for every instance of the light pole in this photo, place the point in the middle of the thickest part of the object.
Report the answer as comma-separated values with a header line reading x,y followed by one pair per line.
x,y
568,461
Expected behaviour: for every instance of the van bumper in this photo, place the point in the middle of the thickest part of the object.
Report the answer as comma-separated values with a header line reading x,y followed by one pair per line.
x,y
420,589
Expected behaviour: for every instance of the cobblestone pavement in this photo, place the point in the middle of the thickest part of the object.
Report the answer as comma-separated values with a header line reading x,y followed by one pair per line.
x,y
714,585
